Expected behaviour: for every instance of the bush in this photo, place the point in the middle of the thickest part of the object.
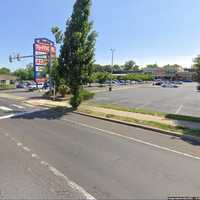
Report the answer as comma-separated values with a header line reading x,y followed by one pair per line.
x,y
63,89
86,95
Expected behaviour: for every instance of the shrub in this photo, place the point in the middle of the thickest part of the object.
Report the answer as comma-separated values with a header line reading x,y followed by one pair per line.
x,y
63,89
86,95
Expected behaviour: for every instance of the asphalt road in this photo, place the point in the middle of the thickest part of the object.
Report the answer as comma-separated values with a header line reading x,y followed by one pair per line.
x,y
105,159
183,100
8,107
13,106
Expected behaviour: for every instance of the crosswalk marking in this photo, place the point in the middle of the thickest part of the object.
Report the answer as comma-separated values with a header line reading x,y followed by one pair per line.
x,y
17,106
5,108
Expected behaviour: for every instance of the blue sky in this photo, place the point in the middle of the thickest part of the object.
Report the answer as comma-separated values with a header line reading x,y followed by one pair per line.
x,y
147,31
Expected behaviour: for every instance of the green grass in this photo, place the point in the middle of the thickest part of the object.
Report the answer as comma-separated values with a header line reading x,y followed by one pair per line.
x,y
178,129
149,112
134,110
86,95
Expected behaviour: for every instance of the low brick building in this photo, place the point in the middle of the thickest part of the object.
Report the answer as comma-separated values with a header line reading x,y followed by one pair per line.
x,y
7,79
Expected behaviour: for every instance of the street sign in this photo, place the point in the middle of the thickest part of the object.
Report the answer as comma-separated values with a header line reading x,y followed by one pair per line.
x,y
43,51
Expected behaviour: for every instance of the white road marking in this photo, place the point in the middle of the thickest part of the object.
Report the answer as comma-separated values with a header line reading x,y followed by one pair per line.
x,y
26,149
34,156
179,109
132,139
55,171
19,144
72,184
18,106
7,116
21,114
5,108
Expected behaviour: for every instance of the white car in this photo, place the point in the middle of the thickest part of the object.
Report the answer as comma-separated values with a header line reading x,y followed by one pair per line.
x,y
35,86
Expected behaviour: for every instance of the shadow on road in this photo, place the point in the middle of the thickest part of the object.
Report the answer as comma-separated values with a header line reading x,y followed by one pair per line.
x,y
59,112
191,140
50,114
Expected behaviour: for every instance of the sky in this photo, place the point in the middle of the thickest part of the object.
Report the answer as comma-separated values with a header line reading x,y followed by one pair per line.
x,y
147,31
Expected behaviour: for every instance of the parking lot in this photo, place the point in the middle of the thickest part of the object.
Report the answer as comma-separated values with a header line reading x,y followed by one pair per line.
x,y
182,100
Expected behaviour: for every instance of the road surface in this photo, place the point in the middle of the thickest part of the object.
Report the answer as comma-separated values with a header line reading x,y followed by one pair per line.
x,y
11,102
103,160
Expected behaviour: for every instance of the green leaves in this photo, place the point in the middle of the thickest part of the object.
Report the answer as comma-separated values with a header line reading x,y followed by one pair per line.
x,y
26,73
58,34
4,70
77,51
196,66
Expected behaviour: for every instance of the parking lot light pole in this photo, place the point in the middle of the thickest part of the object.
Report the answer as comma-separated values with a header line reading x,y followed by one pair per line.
x,y
112,51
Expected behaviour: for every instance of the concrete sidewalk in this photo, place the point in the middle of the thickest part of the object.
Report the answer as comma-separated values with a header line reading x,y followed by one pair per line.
x,y
143,117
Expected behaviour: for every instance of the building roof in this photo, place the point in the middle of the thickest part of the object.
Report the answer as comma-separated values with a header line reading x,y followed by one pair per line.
x,y
4,77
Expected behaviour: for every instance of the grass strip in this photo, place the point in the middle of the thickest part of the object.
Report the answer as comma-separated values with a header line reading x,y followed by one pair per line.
x,y
149,112
178,129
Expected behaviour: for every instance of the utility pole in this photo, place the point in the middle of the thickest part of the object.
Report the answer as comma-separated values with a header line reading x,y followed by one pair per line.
x,y
112,51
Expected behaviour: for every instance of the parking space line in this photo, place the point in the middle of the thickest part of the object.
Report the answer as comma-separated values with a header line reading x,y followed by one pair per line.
x,y
18,106
179,109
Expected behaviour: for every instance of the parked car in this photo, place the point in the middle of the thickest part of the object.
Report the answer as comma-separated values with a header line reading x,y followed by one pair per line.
x,y
32,86
169,85
20,85
122,82
178,82
158,83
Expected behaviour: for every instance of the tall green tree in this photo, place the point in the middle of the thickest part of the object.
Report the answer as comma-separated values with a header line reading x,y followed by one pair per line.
x,y
77,51
196,67
152,66
4,70
26,73
129,65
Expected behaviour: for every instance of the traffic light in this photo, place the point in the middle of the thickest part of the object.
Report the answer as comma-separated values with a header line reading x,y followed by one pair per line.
x,y
18,57
10,59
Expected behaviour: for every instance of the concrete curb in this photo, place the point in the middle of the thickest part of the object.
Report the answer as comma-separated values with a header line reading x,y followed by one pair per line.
x,y
170,133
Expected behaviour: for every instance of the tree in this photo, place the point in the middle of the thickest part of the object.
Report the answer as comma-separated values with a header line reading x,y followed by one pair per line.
x,y
152,66
129,65
172,68
26,73
117,68
77,50
196,66
4,70
136,68
58,34
101,77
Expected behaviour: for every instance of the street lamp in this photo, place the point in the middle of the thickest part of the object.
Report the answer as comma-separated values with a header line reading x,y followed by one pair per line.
x,y
112,51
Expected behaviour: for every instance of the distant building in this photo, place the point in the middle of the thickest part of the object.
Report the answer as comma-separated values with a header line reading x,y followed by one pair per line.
x,y
185,76
7,79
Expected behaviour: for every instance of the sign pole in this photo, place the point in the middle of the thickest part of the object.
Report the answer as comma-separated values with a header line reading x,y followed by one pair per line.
x,y
50,70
